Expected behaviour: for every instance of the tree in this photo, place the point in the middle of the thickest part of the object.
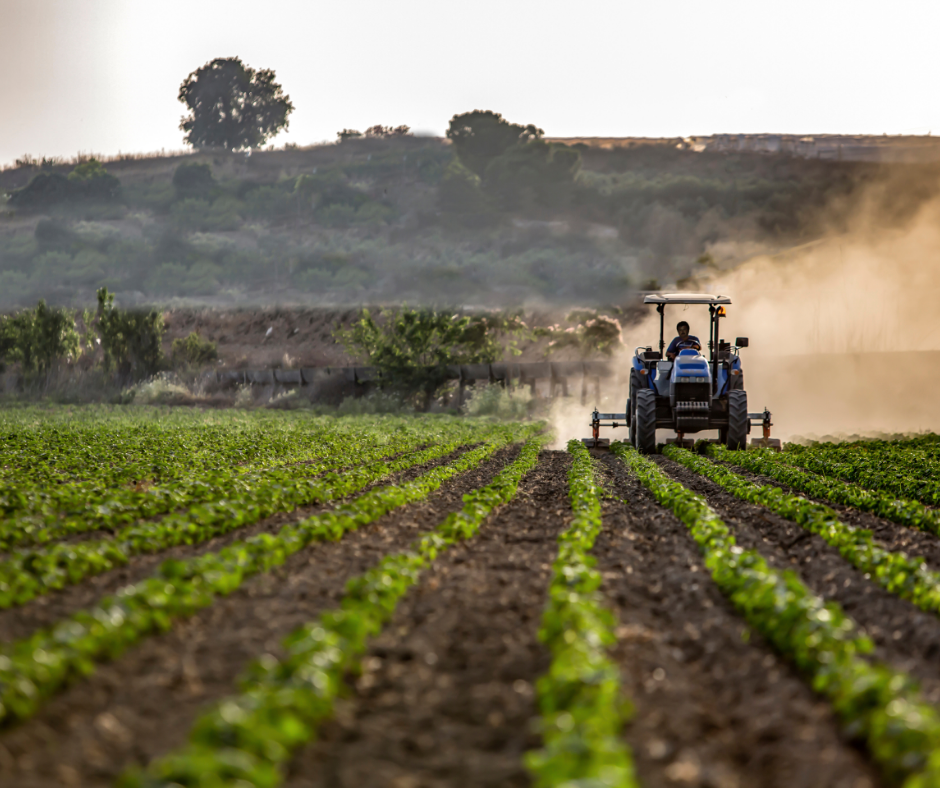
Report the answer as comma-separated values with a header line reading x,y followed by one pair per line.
x,y
39,338
232,106
480,136
131,340
412,348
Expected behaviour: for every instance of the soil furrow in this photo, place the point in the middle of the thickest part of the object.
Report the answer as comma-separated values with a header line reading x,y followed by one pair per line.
x,y
887,534
714,705
143,704
904,636
447,693
45,610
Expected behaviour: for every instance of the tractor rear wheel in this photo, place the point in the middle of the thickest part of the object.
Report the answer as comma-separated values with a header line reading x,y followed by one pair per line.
x,y
644,419
737,420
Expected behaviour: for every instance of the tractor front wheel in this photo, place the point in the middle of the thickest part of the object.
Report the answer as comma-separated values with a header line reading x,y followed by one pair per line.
x,y
737,420
644,421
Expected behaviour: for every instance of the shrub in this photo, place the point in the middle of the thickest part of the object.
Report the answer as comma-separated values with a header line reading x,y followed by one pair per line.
x,y
194,350
39,338
193,180
131,340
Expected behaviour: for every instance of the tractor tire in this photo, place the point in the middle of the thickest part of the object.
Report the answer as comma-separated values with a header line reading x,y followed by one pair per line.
x,y
737,420
644,420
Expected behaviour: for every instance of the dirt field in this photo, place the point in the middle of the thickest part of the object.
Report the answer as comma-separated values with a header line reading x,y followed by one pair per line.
x,y
447,692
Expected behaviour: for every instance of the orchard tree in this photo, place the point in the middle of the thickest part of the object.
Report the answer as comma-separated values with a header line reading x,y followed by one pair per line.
x,y
232,106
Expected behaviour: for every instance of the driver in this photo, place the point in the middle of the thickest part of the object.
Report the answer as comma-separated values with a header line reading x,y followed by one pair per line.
x,y
683,341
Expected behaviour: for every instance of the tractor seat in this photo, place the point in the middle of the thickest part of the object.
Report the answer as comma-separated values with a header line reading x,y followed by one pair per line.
x,y
688,352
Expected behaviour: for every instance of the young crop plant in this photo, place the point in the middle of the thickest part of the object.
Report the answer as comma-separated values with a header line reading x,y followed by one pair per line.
x,y
874,702
246,739
898,573
580,698
25,574
905,512
34,668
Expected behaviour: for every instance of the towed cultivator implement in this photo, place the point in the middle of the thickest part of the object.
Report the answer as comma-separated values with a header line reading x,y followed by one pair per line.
x,y
688,393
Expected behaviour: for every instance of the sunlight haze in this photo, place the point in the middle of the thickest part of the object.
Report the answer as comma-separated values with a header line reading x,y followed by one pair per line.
x,y
102,76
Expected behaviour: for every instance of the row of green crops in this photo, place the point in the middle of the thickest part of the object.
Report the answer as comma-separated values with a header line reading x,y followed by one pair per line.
x,y
246,739
33,668
37,512
26,574
898,573
130,445
905,469
580,696
73,509
874,702
905,512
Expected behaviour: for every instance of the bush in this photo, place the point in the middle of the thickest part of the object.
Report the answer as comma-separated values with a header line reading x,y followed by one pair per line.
x,y
494,400
131,340
39,338
193,180
194,350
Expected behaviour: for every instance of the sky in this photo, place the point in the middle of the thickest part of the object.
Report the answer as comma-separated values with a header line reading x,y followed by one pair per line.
x,y
101,76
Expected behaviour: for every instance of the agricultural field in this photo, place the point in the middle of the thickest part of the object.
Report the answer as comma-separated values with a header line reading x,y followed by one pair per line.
x,y
263,598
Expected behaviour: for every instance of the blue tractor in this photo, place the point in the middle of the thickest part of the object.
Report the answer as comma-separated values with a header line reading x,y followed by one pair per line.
x,y
689,394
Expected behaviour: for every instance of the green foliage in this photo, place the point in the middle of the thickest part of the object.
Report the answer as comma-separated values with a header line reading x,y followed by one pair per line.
x,y
33,668
535,173
248,738
131,339
460,190
874,701
412,347
89,181
193,180
194,350
480,136
347,134
495,400
232,106
39,338
908,577
580,696
591,334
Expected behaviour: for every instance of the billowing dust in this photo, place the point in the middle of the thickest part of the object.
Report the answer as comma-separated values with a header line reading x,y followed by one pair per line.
x,y
844,334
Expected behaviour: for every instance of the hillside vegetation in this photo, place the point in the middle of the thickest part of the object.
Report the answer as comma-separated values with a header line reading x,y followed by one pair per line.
x,y
401,218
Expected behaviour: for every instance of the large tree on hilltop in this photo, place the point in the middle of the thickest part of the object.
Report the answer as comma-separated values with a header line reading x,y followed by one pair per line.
x,y
232,106
480,136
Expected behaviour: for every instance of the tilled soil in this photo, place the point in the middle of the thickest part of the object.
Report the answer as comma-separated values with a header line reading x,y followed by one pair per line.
x,y
45,610
712,708
889,535
905,637
143,704
447,694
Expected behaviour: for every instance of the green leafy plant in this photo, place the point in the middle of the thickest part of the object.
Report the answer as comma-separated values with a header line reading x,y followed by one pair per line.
x,y
194,350
875,703
580,697
131,340
249,737
39,338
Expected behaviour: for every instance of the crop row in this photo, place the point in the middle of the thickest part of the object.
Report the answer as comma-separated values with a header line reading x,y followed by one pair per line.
x,y
37,513
69,514
903,473
874,702
246,739
582,711
33,668
905,512
42,450
898,573
26,574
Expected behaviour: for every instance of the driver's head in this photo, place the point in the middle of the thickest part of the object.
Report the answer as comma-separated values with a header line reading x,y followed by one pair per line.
x,y
683,328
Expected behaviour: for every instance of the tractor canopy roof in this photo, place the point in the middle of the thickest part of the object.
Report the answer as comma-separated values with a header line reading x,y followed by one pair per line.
x,y
686,298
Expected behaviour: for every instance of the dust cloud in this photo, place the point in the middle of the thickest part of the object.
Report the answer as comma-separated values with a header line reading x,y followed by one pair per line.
x,y
844,333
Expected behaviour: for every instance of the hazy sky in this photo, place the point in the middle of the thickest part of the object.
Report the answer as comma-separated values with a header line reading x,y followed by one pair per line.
x,y
102,75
